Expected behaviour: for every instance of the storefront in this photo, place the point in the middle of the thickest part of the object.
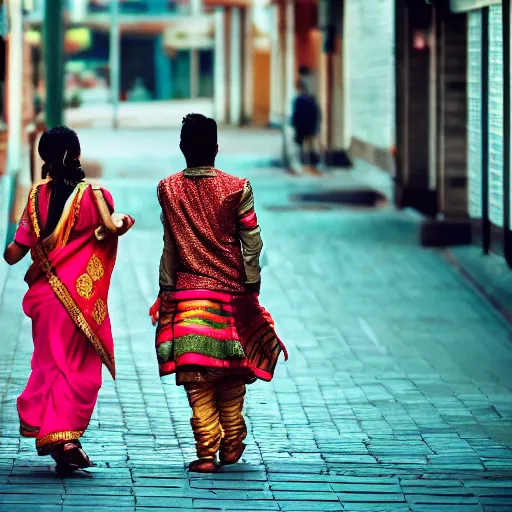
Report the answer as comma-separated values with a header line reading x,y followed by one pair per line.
x,y
489,113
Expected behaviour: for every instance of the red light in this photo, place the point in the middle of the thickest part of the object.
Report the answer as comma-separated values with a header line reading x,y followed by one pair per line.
x,y
420,41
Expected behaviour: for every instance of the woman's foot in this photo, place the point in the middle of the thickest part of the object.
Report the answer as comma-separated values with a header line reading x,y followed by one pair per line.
x,y
69,458
231,456
202,466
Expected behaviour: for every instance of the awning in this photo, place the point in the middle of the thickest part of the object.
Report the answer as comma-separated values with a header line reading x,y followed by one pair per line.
x,y
471,5
190,33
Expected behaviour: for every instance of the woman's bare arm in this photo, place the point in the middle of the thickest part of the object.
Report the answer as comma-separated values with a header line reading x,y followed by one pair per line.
x,y
15,253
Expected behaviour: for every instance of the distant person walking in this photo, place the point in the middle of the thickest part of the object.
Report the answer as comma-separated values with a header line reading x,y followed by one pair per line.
x,y
306,118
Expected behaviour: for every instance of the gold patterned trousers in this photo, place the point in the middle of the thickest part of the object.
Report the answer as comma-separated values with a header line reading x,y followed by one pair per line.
x,y
217,419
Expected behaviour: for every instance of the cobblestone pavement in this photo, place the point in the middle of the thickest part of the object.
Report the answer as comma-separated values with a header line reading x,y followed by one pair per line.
x,y
397,395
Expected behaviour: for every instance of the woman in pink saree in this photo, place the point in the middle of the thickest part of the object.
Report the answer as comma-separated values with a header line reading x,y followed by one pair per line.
x,y
72,233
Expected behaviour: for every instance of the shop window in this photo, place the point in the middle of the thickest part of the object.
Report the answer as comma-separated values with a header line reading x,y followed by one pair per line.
x,y
496,142
475,114
510,114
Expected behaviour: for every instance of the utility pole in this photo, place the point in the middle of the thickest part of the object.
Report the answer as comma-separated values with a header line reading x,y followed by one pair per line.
x,y
115,60
53,35
15,86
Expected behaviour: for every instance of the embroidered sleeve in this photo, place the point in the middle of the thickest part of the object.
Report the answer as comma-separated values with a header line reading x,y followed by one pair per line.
x,y
168,261
25,234
250,236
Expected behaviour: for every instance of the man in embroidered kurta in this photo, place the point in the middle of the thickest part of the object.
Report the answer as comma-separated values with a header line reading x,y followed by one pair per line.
x,y
212,332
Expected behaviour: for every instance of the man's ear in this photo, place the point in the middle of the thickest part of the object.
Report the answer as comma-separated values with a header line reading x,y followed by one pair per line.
x,y
216,149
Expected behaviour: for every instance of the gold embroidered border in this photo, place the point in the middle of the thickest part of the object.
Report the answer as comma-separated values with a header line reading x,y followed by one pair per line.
x,y
77,316
205,171
56,437
32,211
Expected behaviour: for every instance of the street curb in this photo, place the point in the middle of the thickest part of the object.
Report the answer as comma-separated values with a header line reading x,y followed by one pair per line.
x,y
475,274
483,283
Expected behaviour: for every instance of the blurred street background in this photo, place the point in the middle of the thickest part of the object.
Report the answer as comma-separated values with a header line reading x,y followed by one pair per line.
x,y
386,263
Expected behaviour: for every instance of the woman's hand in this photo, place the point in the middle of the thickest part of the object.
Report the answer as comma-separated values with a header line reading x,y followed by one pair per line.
x,y
15,252
154,311
123,222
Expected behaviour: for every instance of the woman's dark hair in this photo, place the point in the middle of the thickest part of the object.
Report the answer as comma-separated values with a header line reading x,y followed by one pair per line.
x,y
60,150
199,139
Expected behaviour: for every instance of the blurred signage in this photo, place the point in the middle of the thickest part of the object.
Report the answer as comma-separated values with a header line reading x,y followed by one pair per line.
x,y
78,10
470,5
191,32
75,39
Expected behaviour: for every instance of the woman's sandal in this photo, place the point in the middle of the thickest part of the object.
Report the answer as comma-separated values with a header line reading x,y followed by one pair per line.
x,y
231,457
202,466
69,458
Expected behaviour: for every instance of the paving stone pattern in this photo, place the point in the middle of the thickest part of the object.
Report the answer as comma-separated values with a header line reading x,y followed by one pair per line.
x,y
397,395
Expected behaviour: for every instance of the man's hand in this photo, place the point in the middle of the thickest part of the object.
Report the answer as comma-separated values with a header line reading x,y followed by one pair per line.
x,y
123,222
253,288
154,311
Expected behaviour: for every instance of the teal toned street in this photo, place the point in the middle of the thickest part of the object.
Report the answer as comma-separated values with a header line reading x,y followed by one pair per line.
x,y
397,395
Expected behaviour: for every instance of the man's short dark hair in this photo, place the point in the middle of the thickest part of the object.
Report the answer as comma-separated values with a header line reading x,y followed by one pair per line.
x,y
198,136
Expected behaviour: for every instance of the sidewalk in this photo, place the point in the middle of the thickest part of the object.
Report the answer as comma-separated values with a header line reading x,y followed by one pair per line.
x,y
146,115
397,395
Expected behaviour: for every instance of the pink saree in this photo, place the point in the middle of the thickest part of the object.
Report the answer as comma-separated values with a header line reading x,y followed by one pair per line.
x,y
67,303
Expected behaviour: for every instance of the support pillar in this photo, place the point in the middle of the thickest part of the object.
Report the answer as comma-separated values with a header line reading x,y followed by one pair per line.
x,y
115,61
335,154
289,59
53,34
290,150
194,73
163,87
15,87
413,57
276,84
196,7
235,68
248,66
219,88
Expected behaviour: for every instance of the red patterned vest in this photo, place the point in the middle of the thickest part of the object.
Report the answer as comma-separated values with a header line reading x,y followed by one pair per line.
x,y
201,213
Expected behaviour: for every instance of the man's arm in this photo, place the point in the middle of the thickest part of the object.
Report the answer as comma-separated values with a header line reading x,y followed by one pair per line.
x,y
250,238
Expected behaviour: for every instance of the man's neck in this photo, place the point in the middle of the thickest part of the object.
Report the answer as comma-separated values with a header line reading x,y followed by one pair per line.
x,y
194,165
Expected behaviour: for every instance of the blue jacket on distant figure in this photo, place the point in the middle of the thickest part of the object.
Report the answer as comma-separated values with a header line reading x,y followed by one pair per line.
x,y
306,117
